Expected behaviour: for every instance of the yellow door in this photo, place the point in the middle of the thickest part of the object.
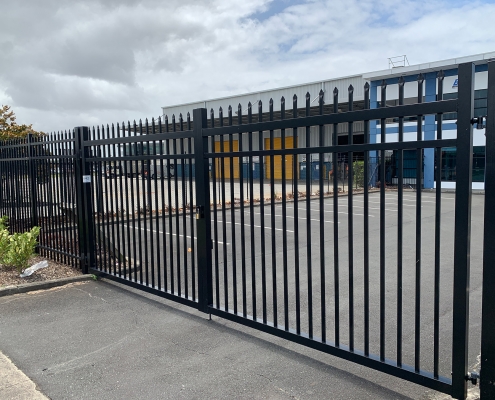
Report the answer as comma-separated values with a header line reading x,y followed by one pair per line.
x,y
218,161
277,160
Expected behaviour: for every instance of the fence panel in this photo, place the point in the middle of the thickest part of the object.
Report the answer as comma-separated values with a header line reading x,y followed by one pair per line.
x,y
38,189
349,271
144,206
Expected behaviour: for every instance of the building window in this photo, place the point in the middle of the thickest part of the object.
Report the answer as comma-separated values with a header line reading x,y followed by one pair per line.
x,y
449,164
480,104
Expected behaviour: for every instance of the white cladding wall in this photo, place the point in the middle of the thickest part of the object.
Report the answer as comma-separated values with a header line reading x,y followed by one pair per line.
x,y
288,93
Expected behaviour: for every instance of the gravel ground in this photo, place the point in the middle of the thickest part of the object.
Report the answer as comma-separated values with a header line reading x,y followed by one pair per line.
x,y
10,277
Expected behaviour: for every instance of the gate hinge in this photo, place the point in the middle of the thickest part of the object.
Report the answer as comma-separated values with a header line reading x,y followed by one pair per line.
x,y
473,377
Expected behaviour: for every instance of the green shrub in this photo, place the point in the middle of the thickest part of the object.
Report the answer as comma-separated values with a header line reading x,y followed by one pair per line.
x,y
3,222
4,243
20,249
358,167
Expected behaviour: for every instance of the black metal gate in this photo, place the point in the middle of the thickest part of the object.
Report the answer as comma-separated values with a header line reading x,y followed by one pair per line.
x,y
244,220
293,272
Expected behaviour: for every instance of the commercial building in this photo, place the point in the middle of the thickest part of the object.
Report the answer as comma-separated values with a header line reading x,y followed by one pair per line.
x,y
389,77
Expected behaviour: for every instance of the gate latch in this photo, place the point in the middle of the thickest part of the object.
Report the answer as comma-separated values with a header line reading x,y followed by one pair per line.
x,y
473,377
200,213
478,121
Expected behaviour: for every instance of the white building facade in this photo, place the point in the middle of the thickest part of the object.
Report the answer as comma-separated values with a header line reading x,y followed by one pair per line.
x,y
391,77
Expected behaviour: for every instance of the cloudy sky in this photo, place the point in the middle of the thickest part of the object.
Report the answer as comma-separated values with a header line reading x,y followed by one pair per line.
x,y
66,63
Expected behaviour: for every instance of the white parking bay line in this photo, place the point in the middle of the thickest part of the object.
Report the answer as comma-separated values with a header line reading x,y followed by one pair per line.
x,y
173,234
256,226
338,212
301,218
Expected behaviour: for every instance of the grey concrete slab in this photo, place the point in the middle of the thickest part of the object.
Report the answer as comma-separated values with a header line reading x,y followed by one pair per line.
x,y
98,340
14,384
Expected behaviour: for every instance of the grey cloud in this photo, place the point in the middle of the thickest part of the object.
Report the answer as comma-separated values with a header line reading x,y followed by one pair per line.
x,y
102,61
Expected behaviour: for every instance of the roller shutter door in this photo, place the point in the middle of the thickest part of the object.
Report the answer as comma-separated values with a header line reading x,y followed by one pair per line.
x,y
277,160
218,161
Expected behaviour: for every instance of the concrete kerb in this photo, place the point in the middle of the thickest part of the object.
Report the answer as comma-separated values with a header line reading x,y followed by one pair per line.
x,y
29,287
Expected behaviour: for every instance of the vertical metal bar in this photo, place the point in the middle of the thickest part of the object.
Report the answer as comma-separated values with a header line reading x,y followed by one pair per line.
x,y
284,220
33,195
108,239
241,195
366,261
101,209
438,213
177,208
322,226
203,225
68,197
170,208
419,176
295,174
335,142
487,388
462,235
129,209
262,214
115,215
191,212
155,234
164,220
123,193
165,172
63,193
134,210
382,224
57,200
272,232
144,178
251,212
115,189
350,221
149,207
224,220
308,219
184,209
215,223
232,216
400,214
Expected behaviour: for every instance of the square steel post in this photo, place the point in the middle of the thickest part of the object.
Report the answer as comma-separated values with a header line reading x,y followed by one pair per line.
x,y
487,374
462,236
203,218
84,201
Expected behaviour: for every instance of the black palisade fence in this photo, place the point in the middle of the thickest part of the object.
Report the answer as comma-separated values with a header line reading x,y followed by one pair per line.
x,y
275,220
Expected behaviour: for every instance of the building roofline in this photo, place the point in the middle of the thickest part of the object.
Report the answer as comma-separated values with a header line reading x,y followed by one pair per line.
x,y
451,63
262,91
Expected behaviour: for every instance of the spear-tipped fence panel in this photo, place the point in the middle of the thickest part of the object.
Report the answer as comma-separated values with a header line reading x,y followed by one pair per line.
x,y
308,222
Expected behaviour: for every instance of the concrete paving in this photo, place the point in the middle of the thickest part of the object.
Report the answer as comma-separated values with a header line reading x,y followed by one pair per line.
x,y
14,384
97,340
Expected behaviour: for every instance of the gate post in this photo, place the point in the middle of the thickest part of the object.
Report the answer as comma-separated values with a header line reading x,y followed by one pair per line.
x,y
203,219
462,235
487,373
84,201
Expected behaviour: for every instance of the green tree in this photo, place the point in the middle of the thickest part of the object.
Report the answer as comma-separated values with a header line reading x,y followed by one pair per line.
x,y
9,129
